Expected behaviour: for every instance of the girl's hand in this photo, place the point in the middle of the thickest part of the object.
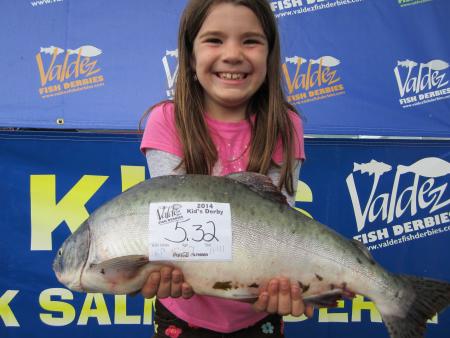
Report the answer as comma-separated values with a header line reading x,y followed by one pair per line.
x,y
167,282
282,297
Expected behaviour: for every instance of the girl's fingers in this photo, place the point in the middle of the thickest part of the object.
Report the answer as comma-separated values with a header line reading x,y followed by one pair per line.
x,y
297,305
309,310
284,297
273,289
261,303
176,282
165,282
150,287
186,290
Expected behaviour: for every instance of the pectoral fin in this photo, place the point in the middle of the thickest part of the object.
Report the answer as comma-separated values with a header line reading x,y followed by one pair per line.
x,y
326,299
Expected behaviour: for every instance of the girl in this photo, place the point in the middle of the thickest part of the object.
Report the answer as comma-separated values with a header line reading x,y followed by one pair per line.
x,y
228,115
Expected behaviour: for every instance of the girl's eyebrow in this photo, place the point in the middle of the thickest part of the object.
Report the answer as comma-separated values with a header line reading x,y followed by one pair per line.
x,y
221,34
255,35
209,33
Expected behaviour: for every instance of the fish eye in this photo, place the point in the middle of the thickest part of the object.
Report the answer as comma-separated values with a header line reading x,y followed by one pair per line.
x,y
59,252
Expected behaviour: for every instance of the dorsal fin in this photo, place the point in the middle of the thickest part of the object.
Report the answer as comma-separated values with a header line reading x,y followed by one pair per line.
x,y
261,184
363,248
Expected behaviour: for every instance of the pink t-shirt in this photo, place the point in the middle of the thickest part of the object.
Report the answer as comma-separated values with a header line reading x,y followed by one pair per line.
x,y
232,143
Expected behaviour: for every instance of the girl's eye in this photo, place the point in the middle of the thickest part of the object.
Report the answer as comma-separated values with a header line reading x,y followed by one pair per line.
x,y
253,42
213,40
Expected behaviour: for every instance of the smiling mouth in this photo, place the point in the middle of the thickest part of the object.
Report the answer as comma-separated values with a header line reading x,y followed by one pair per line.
x,y
232,76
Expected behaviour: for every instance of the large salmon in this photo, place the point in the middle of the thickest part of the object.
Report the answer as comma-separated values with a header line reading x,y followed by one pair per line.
x,y
109,252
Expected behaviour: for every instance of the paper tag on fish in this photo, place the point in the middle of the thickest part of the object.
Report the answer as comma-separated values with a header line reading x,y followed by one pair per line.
x,y
190,231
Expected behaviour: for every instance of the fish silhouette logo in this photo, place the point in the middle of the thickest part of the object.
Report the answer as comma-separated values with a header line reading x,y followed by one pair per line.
x,y
436,65
170,64
173,53
51,50
295,60
327,61
407,63
432,167
86,51
372,168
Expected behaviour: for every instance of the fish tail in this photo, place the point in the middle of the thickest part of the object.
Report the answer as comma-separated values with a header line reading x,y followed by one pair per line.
x,y
430,297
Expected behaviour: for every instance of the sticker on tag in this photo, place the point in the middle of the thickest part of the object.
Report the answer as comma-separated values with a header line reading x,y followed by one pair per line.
x,y
190,231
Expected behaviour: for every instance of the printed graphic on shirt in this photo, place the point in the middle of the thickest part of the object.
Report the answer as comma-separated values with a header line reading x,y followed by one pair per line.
x,y
404,3
402,204
283,8
170,63
420,83
38,3
67,71
313,79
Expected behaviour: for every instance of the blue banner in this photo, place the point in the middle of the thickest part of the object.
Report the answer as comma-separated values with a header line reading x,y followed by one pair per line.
x,y
391,195
356,67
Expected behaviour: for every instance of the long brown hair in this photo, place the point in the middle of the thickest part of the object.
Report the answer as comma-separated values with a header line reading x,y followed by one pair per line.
x,y
269,105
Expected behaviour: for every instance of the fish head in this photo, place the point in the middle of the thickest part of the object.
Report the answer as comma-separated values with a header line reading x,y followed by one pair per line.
x,y
71,258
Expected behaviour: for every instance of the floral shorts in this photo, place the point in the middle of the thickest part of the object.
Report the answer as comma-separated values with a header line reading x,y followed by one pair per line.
x,y
168,325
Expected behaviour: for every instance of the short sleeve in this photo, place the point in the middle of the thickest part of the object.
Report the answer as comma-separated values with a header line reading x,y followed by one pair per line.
x,y
299,145
160,131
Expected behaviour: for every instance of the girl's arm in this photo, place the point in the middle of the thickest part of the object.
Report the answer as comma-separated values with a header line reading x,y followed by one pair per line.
x,y
162,163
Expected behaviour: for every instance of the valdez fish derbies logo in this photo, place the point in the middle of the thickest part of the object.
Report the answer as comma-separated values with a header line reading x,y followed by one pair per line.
x,y
170,64
404,3
420,83
296,7
415,206
312,80
67,71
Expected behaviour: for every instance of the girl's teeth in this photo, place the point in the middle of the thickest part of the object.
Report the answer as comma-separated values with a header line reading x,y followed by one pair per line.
x,y
231,76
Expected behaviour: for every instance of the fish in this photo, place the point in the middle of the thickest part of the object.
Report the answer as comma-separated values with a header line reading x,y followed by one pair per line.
x,y
51,50
109,252
173,53
436,65
372,167
327,61
432,167
407,63
86,51
295,60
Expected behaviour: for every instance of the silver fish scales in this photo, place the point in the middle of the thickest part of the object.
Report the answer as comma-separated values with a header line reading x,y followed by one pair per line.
x,y
109,252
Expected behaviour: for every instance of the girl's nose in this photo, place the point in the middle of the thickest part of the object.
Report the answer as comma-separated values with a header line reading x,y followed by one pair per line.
x,y
232,53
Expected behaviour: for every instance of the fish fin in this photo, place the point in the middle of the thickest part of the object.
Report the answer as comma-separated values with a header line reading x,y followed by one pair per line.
x,y
326,299
126,264
431,297
363,249
261,184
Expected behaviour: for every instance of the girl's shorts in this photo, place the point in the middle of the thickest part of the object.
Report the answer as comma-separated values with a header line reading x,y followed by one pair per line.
x,y
168,325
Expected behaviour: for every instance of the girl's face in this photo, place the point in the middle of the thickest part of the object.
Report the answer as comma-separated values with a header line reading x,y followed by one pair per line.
x,y
230,59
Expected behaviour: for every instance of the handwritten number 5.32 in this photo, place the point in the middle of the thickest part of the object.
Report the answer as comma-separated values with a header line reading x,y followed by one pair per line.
x,y
200,232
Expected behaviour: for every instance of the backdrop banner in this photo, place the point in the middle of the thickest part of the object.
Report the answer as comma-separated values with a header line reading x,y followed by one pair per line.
x,y
356,67
393,198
